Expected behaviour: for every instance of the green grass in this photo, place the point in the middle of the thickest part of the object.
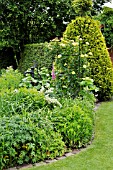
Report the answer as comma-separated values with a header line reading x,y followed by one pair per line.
x,y
99,155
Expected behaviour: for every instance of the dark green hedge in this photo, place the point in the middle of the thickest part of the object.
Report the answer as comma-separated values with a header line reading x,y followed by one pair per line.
x,y
41,54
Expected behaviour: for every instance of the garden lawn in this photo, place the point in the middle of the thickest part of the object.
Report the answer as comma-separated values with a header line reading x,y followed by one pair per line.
x,y
99,155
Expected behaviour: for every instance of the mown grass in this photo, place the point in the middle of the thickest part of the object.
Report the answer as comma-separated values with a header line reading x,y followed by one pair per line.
x,y
99,155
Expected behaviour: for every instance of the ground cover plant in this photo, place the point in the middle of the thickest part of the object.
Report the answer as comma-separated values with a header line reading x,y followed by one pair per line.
x,y
28,138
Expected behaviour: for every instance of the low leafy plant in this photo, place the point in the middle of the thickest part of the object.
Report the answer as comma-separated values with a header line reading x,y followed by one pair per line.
x,y
28,138
43,82
9,79
21,100
74,124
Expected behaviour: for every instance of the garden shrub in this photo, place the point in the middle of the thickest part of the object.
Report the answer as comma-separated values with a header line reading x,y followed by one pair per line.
x,y
41,54
100,63
21,100
9,79
74,124
28,138
70,67
85,100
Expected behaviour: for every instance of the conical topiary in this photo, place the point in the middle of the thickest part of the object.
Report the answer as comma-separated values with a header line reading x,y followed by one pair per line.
x,y
101,67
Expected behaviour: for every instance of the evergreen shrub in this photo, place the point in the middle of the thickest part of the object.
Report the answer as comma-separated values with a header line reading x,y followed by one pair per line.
x,y
41,55
100,63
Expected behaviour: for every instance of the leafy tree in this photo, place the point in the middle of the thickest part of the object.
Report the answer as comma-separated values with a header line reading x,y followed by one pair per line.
x,y
82,7
97,6
106,19
29,21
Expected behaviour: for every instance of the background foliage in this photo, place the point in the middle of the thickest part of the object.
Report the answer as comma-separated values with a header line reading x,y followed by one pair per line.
x,y
26,22
106,19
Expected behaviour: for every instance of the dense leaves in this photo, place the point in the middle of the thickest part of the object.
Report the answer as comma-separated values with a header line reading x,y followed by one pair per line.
x,y
28,138
100,63
106,19
82,8
32,21
97,6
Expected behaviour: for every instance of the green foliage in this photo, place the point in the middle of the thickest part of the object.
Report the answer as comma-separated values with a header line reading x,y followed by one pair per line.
x,y
42,81
98,5
28,138
42,54
74,124
9,79
88,85
82,7
25,22
100,63
21,100
70,67
106,19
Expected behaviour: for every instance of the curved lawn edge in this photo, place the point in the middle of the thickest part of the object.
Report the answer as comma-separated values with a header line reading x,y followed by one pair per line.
x,y
97,156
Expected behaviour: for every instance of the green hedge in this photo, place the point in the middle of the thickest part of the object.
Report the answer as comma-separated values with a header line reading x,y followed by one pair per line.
x,y
42,54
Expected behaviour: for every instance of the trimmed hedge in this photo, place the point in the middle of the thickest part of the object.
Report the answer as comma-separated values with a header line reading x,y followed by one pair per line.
x,y
100,63
42,54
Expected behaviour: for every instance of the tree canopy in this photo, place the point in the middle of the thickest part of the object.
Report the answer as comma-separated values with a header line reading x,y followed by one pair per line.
x,y
106,19
32,21
98,5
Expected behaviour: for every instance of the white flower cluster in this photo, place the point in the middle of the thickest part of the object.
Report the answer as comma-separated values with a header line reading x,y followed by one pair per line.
x,y
52,100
